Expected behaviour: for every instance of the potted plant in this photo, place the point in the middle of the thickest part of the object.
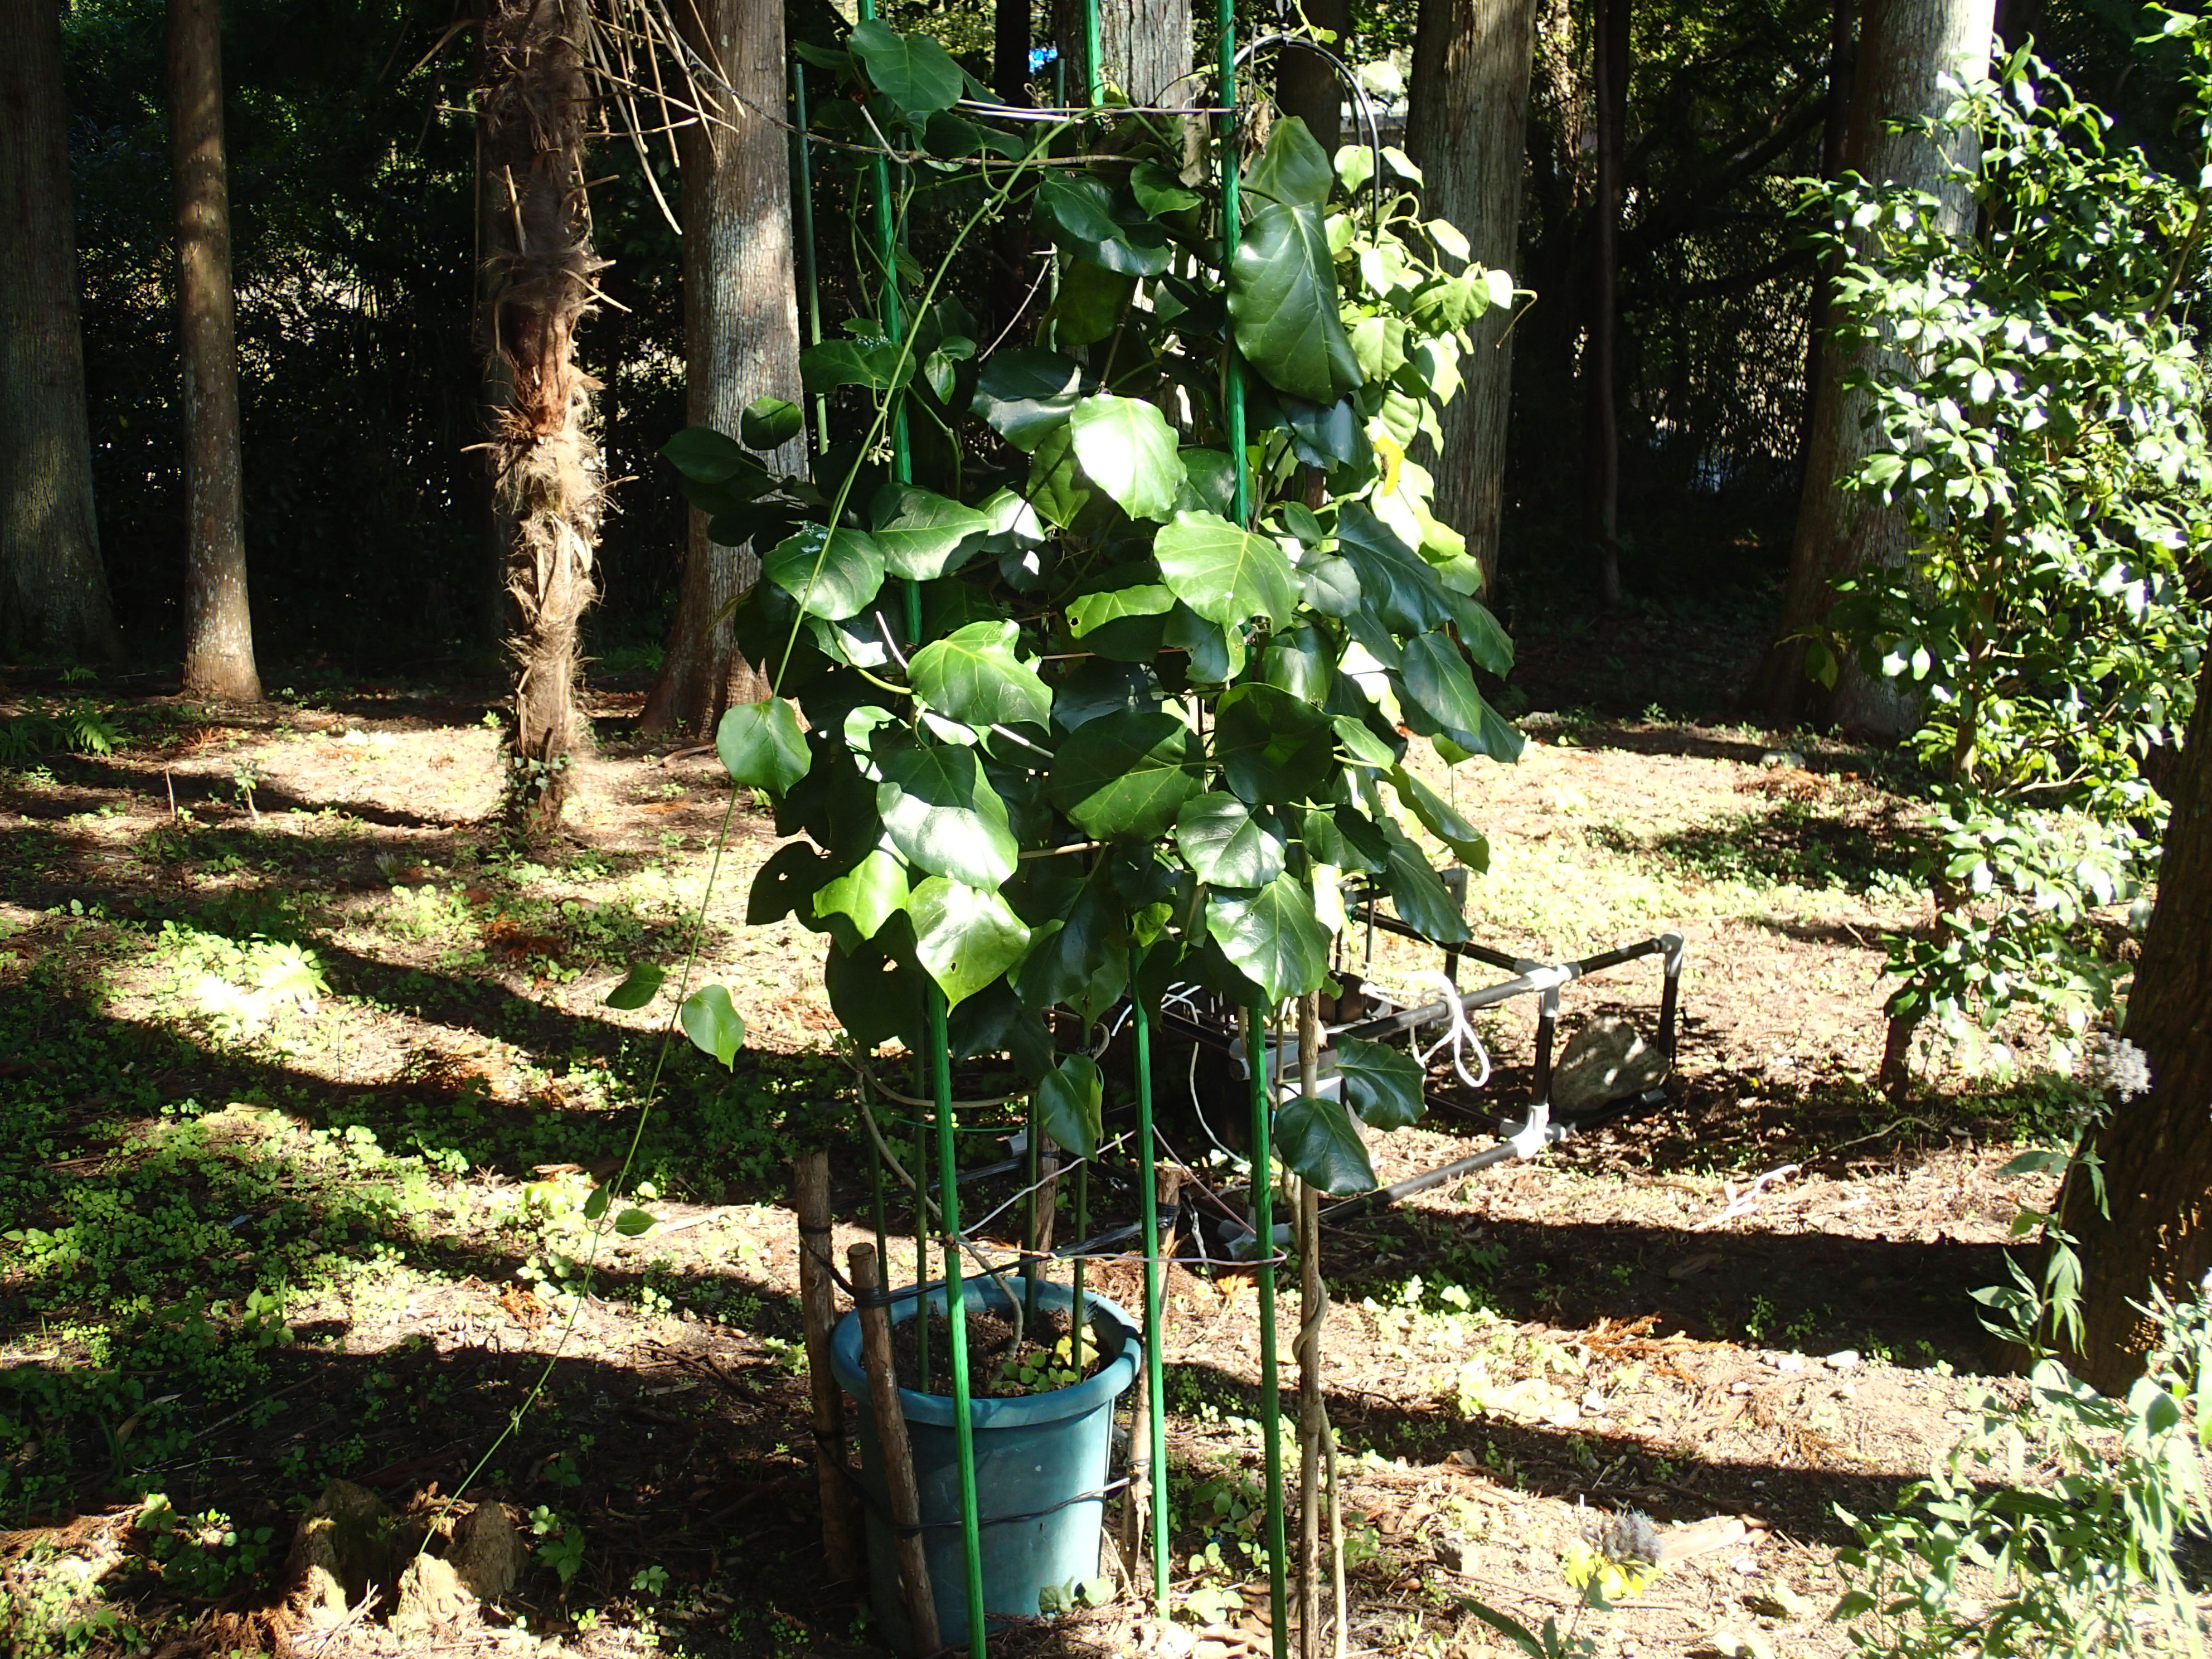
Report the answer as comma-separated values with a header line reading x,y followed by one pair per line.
x,y
1099,652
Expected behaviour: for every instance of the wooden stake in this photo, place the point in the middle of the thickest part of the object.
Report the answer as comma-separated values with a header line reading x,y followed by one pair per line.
x,y
890,1441
818,1304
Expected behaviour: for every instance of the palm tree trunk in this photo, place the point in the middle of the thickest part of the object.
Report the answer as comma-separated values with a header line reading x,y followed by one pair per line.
x,y
548,477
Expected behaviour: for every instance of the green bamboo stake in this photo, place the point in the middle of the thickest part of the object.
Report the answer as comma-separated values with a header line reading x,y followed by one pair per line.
x,y
1094,72
1030,1178
813,297
1271,1402
1155,1364
1078,1325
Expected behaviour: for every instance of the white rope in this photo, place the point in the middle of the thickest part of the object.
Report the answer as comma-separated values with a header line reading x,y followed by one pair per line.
x,y
1462,1037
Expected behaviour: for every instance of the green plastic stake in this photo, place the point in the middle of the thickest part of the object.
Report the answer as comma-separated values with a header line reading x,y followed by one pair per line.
x,y
803,155
963,1424
1271,1402
1232,389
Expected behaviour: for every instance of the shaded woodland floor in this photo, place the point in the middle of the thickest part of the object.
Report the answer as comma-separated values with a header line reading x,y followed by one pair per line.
x,y
305,1078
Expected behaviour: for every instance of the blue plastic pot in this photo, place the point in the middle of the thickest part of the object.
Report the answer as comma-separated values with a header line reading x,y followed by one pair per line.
x,y
1041,1463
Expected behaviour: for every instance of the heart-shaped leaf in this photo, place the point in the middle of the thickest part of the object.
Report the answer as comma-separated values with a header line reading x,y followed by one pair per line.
x,y
920,533
1070,1101
705,456
832,574
1096,610
1125,774
639,986
1382,1085
965,938
1282,296
1272,937
1025,392
761,745
868,895
1273,747
1292,168
1227,575
1225,845
1080,958
711,1021
973,675
1129,450
632,1224
829,364
943,815
912,71
1319,1143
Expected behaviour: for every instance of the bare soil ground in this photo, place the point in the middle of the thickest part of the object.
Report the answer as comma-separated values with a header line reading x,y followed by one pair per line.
x,y
271,1225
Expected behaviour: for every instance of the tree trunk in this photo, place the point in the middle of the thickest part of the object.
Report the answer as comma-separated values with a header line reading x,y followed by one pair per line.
x,y
218,621
53,590
548,474
1144,48
1600,367
1307,84
1904,46
2155,1225
1468,131
1835,132
741,329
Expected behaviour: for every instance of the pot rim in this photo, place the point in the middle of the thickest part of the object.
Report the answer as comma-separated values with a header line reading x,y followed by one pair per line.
x,y
1014,1411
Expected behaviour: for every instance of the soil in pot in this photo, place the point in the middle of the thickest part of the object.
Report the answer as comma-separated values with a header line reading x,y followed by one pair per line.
x,y
998,1368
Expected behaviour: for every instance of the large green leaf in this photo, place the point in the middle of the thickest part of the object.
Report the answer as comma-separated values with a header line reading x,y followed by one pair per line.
x,y
1319,1143
1302,661
1444,820
912,71
1436,676
1091,610
922,529
761,747
870,893
1079,958
1486,641
770,422
1293,168
943,815
1129,450
1396,585
1225,845
832,575
711,1021
1272,937
1056,485
1079,204
1069,1099
1125,774
787,884
705,456
965,936
1214,656
973,675
1418,893
1382,1085
639,986
1272,746
1282,296
829,364
1025,392
1090,303
877,989
1227,575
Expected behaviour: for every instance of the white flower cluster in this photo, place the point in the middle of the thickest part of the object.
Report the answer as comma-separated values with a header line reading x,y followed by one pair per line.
x,y
2115,1063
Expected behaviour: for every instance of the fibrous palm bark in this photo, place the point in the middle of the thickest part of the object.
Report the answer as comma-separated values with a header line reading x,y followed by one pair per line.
x,y
549,477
